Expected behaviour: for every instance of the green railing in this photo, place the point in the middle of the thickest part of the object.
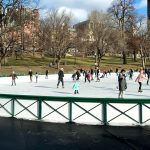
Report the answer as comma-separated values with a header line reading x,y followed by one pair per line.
x,y
9,104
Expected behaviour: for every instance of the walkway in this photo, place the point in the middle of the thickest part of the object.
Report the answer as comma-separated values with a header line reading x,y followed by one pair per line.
x,y
32,135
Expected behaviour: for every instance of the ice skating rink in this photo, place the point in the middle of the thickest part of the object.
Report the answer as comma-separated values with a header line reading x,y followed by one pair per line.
x,y
106,88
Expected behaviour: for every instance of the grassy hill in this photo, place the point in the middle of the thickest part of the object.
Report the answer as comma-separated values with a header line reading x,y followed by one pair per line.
x,y
38,64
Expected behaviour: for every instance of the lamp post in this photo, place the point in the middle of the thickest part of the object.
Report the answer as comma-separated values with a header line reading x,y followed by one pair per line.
x,y
95,60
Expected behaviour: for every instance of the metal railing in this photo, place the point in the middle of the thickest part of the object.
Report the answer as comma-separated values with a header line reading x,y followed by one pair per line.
x,y
15,105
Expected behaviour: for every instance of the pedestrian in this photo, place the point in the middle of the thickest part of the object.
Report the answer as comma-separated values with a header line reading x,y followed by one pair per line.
x,y
78,74
122,83
148,76
97,74
140,78
60,77
76,87
105,73
145,71
46,74
92,72
30,74
36,77
14,77
117,70
130,74
89,76
85,75
74,76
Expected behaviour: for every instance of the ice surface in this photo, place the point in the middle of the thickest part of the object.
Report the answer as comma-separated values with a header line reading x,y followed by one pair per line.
x,y
106,88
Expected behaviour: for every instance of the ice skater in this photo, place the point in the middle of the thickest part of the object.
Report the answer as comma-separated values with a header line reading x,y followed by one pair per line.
x,y
148,76
131,74
74,76
78,75
97,74
36,77
122,83
92,72
30,74
46,74
14,77
140,78
60,77
76,87
86,76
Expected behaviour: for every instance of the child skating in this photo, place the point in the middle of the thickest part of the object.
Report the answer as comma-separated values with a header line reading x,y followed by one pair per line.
x,y
14,77
36,77
76,87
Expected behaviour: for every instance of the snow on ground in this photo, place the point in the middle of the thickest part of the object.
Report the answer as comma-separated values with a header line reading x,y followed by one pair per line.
x,y
106,88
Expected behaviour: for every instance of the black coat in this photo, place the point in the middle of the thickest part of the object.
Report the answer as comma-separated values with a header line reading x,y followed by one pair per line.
x,y
60,74
122,82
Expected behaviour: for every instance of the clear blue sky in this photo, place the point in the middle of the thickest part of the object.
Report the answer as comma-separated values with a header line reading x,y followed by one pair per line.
x,y
141,6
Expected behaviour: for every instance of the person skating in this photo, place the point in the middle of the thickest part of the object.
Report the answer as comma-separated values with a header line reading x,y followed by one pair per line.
x,y
130,74
117,70
36,77
78,75
89,76
92,72
60,77
86,75
122,83
14,77
140,78
74,76
46,74
148,76
30,74
76,87
97,74
105,73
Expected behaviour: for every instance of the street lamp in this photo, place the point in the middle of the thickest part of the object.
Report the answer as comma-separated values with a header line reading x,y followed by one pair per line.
x,y
95,59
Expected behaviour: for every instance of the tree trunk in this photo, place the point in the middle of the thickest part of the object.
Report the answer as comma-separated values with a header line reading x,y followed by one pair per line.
x,y
99,61
143,63
124,56
54,59
0,64
134,56
142,57
58,64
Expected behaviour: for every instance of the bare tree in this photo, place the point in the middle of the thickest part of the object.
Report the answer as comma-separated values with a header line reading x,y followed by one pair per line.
x,y
144,46
101,32
121,11
6,39
55,34
9,25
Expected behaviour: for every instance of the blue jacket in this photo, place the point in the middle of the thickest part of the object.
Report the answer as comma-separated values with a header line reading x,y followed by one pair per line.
x,y
76,86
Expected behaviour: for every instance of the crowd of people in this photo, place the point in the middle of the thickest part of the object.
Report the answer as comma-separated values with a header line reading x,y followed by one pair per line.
x,y
94,74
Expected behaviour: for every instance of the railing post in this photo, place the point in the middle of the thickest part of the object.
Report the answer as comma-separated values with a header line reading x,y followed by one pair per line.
x,y
140,113
13,107
104,113
39,109
70,111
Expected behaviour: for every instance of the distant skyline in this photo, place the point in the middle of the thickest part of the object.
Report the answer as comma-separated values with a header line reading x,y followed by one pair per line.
x,y
81,8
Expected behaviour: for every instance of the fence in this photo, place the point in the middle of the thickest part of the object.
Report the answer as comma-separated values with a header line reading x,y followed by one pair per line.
x,y
104,111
